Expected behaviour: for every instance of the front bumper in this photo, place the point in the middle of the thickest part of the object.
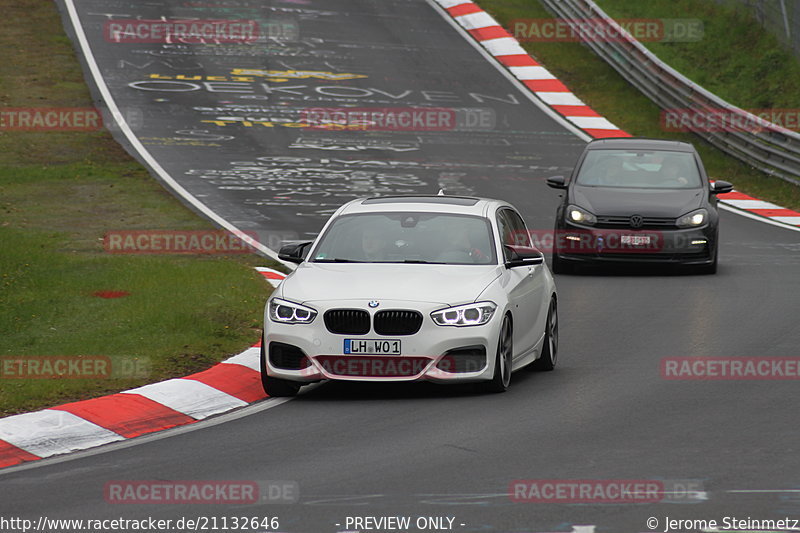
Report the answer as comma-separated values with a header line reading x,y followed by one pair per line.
x,y
427,355
691,246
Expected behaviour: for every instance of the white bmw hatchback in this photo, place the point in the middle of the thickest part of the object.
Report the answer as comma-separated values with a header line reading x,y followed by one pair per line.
x,y
435,288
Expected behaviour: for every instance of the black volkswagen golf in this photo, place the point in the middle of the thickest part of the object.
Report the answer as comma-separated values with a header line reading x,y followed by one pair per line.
x,y
637,200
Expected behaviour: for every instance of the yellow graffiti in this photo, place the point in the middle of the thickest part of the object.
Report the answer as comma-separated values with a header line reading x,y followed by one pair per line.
x,y
286,75
270,124
251,75
183,77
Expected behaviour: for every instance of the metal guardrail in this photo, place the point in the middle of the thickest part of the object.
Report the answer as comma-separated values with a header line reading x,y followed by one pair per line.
x,y
769,147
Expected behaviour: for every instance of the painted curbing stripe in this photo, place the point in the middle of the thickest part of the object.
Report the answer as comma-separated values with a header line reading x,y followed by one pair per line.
x,y
596,123
531,73
559,98
129,415
477,20
504,46
576,111
794,221
52,432
749,205
270,274
463,9
10,455
447,4
517,60
775,212
546,86
274,277
606,134
760,210
498,42
735,195
189,397
89,423
249,358
237,380
490,32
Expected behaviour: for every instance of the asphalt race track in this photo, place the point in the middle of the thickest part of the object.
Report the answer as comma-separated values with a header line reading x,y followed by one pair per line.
x,y
221,119
606,413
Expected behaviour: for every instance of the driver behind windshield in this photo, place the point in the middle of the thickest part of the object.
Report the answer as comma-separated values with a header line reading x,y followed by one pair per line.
x,y
654,169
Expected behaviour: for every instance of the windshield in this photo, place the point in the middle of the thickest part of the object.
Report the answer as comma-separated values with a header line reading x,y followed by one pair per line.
x,y
407,238
656,169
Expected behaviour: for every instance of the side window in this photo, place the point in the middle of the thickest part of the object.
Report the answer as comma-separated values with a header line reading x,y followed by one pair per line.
x,y
506,232
519,235
512,230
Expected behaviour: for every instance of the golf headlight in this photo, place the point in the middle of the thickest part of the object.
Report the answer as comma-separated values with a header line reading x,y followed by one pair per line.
x,y
693,219
287,312
465,315
580,216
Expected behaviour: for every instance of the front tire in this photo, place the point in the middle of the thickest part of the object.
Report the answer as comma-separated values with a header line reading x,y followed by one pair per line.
x,y
547,361
275,387
502,361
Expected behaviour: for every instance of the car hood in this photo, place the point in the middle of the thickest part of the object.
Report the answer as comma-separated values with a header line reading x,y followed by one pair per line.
x,y
607,201
444,284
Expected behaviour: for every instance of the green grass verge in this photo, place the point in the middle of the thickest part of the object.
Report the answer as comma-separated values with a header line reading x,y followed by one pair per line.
x,y
59,194
736,59
599,85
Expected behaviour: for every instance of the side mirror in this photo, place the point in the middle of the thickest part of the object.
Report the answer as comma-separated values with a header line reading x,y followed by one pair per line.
x,y
721,187
523,256
557,182
295,252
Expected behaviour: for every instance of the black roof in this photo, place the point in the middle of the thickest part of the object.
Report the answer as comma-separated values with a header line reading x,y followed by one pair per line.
x,y
639,143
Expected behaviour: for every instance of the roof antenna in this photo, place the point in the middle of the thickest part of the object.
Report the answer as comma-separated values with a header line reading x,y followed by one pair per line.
x,y
441,192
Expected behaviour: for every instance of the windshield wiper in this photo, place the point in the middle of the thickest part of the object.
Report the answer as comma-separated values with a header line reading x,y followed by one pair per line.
x,y
420,262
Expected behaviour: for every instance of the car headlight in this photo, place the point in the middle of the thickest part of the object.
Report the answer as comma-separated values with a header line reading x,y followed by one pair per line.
x,y
287,312
578,215
465,315
693,219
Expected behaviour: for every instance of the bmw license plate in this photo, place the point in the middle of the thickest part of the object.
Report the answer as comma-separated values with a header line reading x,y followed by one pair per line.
x,y
372,346
635,240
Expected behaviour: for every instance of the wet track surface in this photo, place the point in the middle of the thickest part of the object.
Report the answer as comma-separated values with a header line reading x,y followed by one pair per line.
x,y
222,119
606,413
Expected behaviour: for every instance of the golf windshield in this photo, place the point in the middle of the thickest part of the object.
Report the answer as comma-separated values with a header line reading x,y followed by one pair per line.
x,y
439,238
655,169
